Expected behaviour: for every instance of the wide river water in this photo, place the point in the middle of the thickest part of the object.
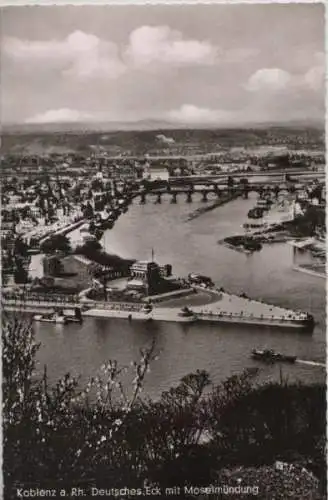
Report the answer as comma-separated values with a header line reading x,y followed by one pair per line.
x,y
222,350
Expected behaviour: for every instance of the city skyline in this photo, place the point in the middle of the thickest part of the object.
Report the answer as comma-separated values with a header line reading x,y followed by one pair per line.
x,y
207,65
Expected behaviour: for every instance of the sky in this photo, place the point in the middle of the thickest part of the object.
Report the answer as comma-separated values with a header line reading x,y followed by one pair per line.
x,y
187,64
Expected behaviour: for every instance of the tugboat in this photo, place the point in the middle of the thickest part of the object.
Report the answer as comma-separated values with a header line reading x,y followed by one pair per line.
x,y
270,356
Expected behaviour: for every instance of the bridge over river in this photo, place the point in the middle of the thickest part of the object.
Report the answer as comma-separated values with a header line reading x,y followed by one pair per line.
x,y
217,189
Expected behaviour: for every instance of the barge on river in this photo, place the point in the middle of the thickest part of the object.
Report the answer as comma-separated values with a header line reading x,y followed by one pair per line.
x,y
270,356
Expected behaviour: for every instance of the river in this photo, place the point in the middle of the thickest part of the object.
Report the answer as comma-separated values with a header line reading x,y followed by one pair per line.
x,y
219,349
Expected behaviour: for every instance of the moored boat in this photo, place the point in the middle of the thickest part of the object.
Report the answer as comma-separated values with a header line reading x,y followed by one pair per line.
x,y
186,314
198,279
147,308
76,317
50,318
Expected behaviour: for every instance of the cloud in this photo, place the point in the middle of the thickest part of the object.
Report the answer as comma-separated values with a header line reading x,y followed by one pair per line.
x,y
80,54
275,79
60,116
189,114
268,79
315,78
85,56
160,44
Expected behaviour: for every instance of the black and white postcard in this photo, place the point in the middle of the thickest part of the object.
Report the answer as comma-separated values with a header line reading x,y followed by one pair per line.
x,y
163,251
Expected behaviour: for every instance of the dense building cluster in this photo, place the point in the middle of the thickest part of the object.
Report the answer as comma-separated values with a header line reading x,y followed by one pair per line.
x,y
48,193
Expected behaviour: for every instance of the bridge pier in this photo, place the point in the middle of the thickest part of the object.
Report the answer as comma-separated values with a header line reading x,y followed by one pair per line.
x,y
216,189
204,197
174,198
142,198
159,198
245,192
189,197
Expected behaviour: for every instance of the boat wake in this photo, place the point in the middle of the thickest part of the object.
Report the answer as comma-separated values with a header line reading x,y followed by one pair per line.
x,y
310,363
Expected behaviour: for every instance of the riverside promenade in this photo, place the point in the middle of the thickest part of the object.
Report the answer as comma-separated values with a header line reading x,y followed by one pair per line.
x,y
236,309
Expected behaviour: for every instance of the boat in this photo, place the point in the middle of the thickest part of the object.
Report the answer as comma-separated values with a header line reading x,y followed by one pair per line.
x,y
198,279
147,308
264,204
76,317
255,213
253,245
186,314
50,318
270,356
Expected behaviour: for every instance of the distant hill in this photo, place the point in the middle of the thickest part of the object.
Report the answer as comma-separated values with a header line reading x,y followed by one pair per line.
x,y
140,125
74,127
141,138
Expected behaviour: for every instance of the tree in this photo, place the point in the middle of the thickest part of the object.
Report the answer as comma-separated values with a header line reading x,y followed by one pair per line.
x,y
56,243
89,248
20,247
231,183
88,211
20,273
69,437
